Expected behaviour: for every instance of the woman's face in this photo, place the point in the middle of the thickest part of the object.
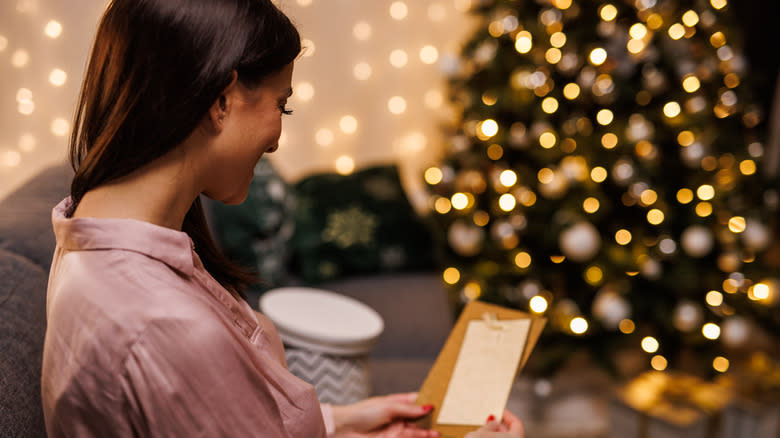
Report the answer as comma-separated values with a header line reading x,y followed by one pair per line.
x,y
252,125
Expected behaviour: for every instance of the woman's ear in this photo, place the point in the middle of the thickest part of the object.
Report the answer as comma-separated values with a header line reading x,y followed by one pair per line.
x,y
221,107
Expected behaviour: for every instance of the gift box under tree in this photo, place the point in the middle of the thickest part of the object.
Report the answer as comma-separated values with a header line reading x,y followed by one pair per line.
x,y
756,410
669,405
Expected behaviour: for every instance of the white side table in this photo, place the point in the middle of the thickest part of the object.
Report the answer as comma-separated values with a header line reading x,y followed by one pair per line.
x,y
327,338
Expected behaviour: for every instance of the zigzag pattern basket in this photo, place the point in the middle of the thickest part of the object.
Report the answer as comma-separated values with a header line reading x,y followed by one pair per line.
x,y
338,380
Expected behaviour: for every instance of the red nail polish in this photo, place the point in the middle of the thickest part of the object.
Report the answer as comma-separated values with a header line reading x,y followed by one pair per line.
x,y
427,407
491,418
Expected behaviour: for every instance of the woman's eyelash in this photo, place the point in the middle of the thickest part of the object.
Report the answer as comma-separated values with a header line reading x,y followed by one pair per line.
x,y
284,110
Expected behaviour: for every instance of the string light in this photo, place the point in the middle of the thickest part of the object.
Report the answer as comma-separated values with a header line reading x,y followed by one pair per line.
x,y
523,260
508,178
433,175
578,325
626,326
720,364
523,42
348,124
362,31
623,237
650,344
711,331
537,304
451,275
658,362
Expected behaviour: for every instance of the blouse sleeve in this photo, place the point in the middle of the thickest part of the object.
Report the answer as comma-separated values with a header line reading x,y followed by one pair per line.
x,y
187,378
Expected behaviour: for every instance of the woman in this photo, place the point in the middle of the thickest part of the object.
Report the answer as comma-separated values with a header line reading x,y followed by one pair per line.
x,y
148,334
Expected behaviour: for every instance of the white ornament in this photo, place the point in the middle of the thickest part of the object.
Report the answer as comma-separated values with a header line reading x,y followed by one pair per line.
x,y
756,235
687,316
736,331
556,188
611,308
651,269
697,240
465,239
580,242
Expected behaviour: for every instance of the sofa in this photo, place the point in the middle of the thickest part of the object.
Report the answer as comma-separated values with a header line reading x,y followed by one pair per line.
x,y
414,307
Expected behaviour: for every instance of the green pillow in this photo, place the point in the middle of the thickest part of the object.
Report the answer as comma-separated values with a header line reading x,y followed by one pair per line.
x,y
357,224
257,232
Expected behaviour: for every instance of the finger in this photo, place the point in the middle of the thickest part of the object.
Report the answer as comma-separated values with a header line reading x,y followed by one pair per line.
x,y
513,423
408,410
407,397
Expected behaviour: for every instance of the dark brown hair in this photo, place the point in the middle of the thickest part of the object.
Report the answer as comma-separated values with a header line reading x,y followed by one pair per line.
x,y
156,68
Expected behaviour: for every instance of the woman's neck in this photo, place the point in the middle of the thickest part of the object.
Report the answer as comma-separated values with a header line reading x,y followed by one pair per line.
x,y
160,193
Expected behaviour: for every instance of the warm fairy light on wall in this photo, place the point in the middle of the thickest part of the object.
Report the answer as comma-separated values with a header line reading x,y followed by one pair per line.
x,y
429,54
348,124
396,105
20,58
304,91
398,58
362,31
398,10
53,29
57,77
604,117
362,71
60,127
345,165
324,137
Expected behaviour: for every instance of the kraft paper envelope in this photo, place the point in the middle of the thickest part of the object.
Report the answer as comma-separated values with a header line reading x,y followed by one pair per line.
x,y
434,388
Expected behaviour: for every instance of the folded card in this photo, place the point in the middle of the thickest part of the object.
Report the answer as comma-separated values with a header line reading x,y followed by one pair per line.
x,y
473,374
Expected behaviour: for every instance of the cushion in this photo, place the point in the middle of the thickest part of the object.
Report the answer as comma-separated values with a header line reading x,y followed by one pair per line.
x,y
25,214
22,329
357,224
257,232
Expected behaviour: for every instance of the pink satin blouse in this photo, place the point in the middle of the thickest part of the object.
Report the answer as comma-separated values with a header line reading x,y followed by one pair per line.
x,y
142,341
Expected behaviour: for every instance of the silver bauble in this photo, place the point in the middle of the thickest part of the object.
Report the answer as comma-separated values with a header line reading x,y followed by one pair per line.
x,y
687,316
735,331
697,241
580,242
465,239
610,308
756,236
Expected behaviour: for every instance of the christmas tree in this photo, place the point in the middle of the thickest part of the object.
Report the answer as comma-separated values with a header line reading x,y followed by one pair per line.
x,y
606,171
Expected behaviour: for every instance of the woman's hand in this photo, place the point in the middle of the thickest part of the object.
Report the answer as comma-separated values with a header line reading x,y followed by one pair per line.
x,y
381,417
509,427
